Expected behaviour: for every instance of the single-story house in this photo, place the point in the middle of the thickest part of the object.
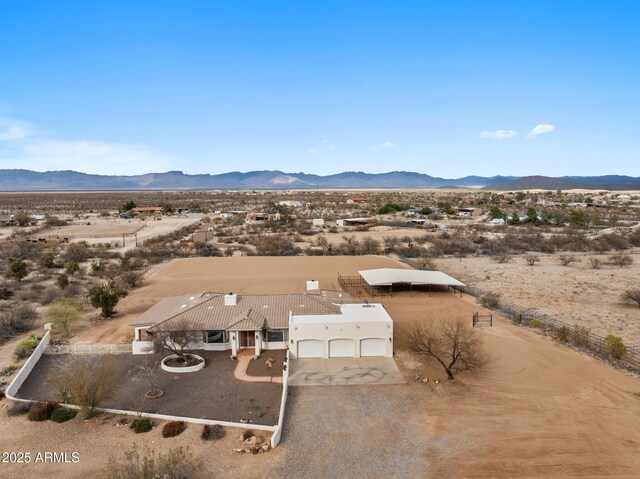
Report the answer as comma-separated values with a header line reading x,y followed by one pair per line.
x,y
496,222
313,323
290,203
357,200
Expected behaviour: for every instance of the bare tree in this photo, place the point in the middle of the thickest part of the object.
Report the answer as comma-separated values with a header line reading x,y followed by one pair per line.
x,y
370,245
532,259
596,263
455,345
176,336
425,263
567,259
146,373
632,295
502,258
86,381
621,260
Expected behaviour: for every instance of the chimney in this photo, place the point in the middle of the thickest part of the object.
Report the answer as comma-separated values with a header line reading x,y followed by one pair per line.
x,y
230,299
313,285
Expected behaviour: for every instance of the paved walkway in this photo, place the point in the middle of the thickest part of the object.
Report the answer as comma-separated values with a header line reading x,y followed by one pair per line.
x,y
240,372
344,371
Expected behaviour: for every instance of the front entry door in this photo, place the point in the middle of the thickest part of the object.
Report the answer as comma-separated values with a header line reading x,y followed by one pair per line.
x,y
247,339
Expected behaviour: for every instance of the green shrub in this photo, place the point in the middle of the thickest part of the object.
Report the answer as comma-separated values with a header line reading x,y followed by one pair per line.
x,y
25,347
18,409
8,369
534,323
62,414
41,411
141,424
564,334
580,336
173,428
615,346
214,432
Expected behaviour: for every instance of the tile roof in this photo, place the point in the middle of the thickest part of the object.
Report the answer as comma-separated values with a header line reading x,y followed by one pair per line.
x,y
207,311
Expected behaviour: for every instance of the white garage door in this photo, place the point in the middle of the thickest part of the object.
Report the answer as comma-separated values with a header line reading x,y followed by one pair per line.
x,y
309,348
373,347
342,348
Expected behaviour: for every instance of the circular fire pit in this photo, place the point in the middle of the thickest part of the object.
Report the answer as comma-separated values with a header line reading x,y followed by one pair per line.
x,y
154,394
189,367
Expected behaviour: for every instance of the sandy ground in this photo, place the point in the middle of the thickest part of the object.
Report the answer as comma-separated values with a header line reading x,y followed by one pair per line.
x,y
244,274
538,409
98,230
575,294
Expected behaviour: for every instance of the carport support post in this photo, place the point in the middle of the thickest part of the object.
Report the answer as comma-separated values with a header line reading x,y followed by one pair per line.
x,y
234,343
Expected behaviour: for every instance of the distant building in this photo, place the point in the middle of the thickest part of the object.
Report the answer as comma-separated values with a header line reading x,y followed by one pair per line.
x,y
352,221
357,200
145,211
497,222
290,203
468,212
317,222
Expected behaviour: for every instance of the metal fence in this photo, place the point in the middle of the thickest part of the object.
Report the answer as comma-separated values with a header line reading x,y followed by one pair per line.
x,y
90,349
574,334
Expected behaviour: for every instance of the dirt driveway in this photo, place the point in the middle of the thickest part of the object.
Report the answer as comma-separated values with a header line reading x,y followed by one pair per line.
x,y
344,371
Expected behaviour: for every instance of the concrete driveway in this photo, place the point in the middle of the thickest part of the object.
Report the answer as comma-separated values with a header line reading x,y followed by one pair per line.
x,y
344,371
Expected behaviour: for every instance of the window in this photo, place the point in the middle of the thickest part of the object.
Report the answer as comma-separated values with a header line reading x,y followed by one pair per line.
x,y
215,336
275,336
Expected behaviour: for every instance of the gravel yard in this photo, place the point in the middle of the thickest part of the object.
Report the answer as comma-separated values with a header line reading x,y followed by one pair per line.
x,y
353,432
211,393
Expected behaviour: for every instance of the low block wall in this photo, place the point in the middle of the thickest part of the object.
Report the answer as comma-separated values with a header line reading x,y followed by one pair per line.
x,y
27,367
277,433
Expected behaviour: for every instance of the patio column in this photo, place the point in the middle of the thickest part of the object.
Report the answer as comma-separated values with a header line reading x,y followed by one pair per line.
x,y
258,342
234,342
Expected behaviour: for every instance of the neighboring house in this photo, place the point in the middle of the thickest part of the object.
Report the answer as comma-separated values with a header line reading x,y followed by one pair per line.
x,y
260,218
357,200
317,222
314,323
468,212
497,222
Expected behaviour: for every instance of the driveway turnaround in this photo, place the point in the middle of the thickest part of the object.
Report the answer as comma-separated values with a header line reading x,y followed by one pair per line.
x,y
344,372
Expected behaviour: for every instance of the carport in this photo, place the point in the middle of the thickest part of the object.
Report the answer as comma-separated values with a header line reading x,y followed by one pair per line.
x,y
383,279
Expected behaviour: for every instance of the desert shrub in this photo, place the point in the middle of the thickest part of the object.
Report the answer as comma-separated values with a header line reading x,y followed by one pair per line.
x,y
63,414
532,259
563,334
621,260
19,318
632,295
615,346
173,428
5,293
502,258
8,369
214,432
71,266
246,434
84,380
176,463
42,410
567,259
26,346
490,300
534,323
580,336
141,424
62,281
129,279
47,260
106,297
64,313
17,269
77,252
18,409
596,263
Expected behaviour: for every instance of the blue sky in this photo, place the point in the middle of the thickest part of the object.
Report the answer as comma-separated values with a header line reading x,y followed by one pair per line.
x,y
444,88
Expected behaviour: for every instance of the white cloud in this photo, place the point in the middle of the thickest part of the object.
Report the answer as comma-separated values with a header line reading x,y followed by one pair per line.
x,y
388,144
541,129
312,150
13,129
44,153
498,134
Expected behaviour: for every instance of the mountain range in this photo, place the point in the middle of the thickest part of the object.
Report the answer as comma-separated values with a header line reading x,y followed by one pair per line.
x,y
27,180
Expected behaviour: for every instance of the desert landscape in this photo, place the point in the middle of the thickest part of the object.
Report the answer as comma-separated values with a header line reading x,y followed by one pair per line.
x,y
518,416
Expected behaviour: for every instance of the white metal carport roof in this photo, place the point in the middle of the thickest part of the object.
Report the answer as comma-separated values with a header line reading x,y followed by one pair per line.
x,y
389,276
